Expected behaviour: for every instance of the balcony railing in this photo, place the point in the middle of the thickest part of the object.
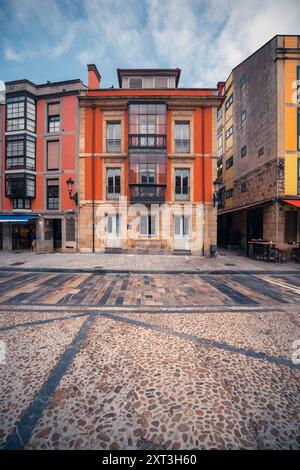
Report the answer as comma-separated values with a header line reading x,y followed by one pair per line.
x,y
113,145
147,193
182,193
113,192
147,141
182,145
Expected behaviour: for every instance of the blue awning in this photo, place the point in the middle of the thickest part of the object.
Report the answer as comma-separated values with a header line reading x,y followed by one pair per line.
x,y
17,219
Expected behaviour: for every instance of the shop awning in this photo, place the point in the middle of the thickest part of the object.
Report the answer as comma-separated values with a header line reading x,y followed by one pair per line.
x,y
17,219
294,202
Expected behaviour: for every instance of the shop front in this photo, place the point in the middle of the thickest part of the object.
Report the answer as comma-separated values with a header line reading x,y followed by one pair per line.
x,y
18,232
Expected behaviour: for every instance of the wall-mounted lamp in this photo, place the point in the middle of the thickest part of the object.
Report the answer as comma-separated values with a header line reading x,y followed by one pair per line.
x,y
217,183
70,183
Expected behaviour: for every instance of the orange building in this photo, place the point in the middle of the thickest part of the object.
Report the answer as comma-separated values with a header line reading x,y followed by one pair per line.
x,y
147,163
39,151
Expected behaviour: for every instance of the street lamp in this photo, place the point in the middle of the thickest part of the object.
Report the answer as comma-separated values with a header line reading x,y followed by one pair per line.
x,y
70,183
217,183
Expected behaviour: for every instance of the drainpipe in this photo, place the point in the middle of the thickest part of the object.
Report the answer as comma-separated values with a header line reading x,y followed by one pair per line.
x,y
93,178
203,176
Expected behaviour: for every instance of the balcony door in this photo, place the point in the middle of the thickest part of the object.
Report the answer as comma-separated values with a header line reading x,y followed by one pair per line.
x,y
113,231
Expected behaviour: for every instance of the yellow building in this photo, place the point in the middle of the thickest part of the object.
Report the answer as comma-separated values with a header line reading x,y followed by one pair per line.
x,y
259,153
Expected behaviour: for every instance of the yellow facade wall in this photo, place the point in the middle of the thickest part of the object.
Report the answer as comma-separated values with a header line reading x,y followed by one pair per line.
x,y
291,173
291,41
291,129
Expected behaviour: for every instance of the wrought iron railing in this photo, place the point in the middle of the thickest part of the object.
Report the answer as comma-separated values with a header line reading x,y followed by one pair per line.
x,y
113,145
182,145
147,193
182,193
147,141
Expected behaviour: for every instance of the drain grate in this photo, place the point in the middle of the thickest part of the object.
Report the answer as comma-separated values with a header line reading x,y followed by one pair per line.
x,y
230,264
18,263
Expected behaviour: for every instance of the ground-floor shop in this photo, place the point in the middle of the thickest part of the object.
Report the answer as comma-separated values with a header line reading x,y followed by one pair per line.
x,y
278,222
39,232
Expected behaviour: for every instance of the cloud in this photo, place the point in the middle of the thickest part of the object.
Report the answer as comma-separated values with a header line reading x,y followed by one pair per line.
x,y
206,38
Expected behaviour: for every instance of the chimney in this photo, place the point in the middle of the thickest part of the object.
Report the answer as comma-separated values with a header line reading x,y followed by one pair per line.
x,y
94,76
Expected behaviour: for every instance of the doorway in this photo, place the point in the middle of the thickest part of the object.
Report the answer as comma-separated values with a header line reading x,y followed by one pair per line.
x,y
182,232
56,225
113,231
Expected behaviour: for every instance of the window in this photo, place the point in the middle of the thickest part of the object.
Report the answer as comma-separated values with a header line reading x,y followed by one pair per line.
x,y
182,225
20,113
147,125
53,155
21,203
243,117
243,187
182,137
53,117
182,178
228,103
135,82
20,185
113,137
229,193
161,82
148,225
229,132
243,79
31,114
20,152
261,151
70,229
53,194
243,151
229,162
15,113
113,184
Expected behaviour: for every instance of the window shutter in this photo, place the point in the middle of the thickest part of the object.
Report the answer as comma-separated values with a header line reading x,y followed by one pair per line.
x,y
53,155
143,223
177,224
53,109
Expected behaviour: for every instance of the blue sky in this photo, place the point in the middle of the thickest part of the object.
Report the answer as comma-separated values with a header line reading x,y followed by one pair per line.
x,y
54,39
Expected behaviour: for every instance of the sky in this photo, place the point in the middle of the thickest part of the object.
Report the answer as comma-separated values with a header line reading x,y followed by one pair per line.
x,y
55,39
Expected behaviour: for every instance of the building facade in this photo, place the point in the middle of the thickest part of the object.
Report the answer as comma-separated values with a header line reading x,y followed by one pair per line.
x,y
39,156
259,147
147,162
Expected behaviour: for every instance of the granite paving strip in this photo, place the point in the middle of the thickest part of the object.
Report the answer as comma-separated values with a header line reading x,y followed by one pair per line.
x,y
260,286
232,293
23,429
30,357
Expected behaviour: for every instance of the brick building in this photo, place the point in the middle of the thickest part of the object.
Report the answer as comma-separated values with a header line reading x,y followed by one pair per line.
x,y
39,148
259,147
147,162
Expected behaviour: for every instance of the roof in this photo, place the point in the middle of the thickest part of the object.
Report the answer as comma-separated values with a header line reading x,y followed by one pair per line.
x,y
167,72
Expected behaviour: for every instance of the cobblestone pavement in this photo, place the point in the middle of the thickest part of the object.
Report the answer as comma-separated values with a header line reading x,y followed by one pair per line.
x,y
132,361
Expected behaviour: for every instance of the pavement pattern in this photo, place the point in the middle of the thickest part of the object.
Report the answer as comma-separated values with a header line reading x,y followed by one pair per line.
x,y
149,361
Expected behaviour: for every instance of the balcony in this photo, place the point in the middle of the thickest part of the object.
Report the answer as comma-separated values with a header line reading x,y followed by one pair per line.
x,y
147,193
20,185
182,145
113,145
182,193
151,141
113,192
